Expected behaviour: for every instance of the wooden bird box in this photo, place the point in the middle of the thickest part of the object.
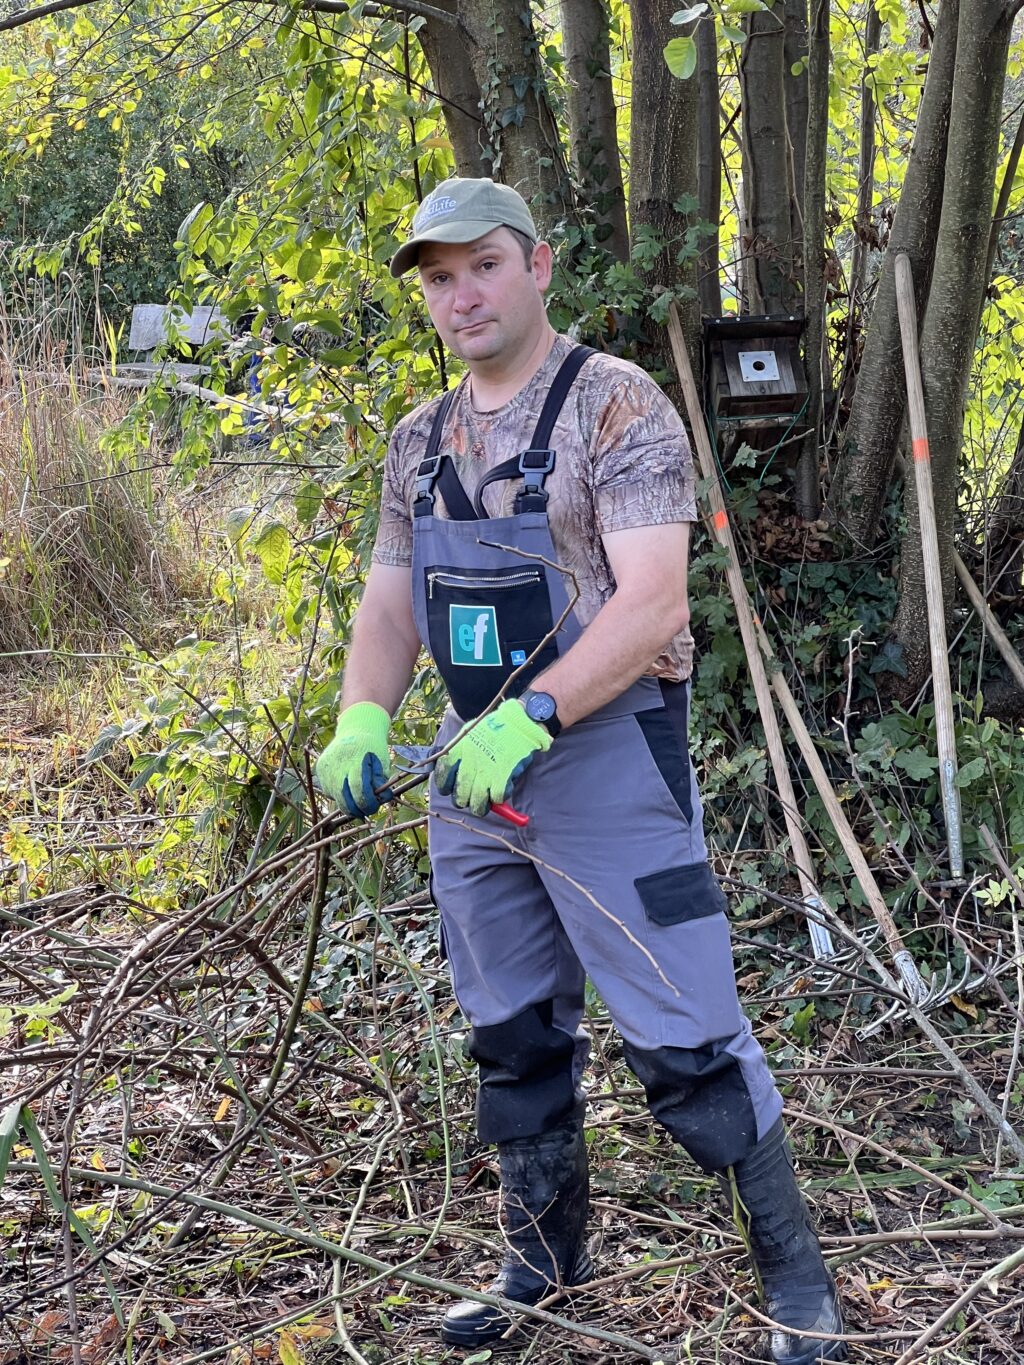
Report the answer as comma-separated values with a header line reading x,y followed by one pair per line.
x,y
753,368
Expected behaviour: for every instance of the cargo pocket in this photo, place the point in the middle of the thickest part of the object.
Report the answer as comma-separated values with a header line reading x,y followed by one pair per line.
x,y
680,894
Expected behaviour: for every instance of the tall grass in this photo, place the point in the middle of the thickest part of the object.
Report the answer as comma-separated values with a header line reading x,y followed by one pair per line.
x,y
86,555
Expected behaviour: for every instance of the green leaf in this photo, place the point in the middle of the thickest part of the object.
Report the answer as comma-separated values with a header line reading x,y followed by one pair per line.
x,y
309,264
105,741
735,35
273,546
8,1132
681,56
167,1325
916,763
307,501
237,524
746,456
195,221
971,771
687,16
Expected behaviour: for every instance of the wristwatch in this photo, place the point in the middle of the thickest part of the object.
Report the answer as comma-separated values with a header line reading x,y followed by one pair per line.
x,y
541,707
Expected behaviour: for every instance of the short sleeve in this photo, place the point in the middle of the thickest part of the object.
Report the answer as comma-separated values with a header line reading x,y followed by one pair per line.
x,y
394,533
643,469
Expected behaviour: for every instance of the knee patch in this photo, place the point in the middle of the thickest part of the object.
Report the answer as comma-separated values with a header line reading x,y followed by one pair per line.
x,y
700,1097
526,1075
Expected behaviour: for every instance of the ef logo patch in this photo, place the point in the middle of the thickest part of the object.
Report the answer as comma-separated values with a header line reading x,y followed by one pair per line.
x,y
474,636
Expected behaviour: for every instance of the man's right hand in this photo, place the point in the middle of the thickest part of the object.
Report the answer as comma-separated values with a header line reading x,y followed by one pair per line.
x,y
357,762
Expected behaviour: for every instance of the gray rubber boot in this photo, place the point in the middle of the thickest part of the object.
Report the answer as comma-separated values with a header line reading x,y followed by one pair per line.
x,y
797,1289
545,1191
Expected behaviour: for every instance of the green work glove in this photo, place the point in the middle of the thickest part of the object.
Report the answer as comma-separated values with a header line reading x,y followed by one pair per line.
x,y
357,760
481,766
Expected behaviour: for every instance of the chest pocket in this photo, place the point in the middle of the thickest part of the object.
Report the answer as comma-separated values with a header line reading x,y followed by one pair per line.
x,y
484,624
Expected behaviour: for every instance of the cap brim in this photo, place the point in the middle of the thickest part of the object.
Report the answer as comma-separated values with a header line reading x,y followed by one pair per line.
x,y
466,230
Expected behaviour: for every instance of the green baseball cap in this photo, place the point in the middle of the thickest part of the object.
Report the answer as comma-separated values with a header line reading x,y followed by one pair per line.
x,y
461,210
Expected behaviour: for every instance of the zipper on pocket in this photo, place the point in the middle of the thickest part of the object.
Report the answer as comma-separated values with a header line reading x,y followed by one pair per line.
x,y
455,580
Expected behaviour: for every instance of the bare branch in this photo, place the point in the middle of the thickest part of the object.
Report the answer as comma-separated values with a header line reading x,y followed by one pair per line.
x,y
412,7
405,6
27,16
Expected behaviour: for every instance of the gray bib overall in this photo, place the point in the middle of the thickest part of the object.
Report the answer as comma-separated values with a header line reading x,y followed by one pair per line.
x,y
609,880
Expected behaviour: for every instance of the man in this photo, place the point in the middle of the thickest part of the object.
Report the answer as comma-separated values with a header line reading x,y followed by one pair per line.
x,y
534,534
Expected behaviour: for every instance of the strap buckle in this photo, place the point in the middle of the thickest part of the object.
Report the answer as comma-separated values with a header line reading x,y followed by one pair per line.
x,y
535,466
427,474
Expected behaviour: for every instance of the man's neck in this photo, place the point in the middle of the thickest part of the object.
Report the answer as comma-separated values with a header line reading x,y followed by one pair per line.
x,y
493,389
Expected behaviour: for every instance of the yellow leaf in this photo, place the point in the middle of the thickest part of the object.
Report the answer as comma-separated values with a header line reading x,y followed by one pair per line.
x,y
312,1331
287,1350
97,1162
222,1109
965,1006
881,1284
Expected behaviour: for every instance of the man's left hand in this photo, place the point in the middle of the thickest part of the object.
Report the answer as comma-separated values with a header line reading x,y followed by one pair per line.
x,y
483,764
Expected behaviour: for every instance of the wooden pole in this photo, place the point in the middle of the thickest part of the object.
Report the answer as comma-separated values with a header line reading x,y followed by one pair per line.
x,y
754,645
945,733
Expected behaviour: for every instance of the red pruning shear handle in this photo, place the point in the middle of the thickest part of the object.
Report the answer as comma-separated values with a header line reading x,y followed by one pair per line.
x,y
509,813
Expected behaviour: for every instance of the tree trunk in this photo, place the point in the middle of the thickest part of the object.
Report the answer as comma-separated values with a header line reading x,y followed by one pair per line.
x,y
663,162
864,232
876,416
950,329
794,51
447,52
774,287
808,482
521,144
709,167
593,145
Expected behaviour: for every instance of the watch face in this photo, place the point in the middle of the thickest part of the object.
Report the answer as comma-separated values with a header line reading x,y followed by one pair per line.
x,y
540,706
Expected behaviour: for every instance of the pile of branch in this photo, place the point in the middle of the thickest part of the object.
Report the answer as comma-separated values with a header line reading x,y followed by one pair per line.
x,y
243,1131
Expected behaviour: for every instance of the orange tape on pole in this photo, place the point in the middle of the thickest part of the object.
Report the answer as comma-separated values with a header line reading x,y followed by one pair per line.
x,y
921,451
720,521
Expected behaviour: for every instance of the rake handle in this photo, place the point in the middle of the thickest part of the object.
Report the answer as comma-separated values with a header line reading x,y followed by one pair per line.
x,y
945,733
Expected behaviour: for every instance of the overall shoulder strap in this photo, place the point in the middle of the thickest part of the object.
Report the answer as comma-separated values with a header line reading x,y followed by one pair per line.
x,y
537,462
438,471
558,393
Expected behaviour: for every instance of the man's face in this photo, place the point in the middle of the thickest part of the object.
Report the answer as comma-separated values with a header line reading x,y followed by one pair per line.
x,y
487,306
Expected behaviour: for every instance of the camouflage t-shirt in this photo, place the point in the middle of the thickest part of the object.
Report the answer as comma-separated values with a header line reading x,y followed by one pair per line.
x,y
622,461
